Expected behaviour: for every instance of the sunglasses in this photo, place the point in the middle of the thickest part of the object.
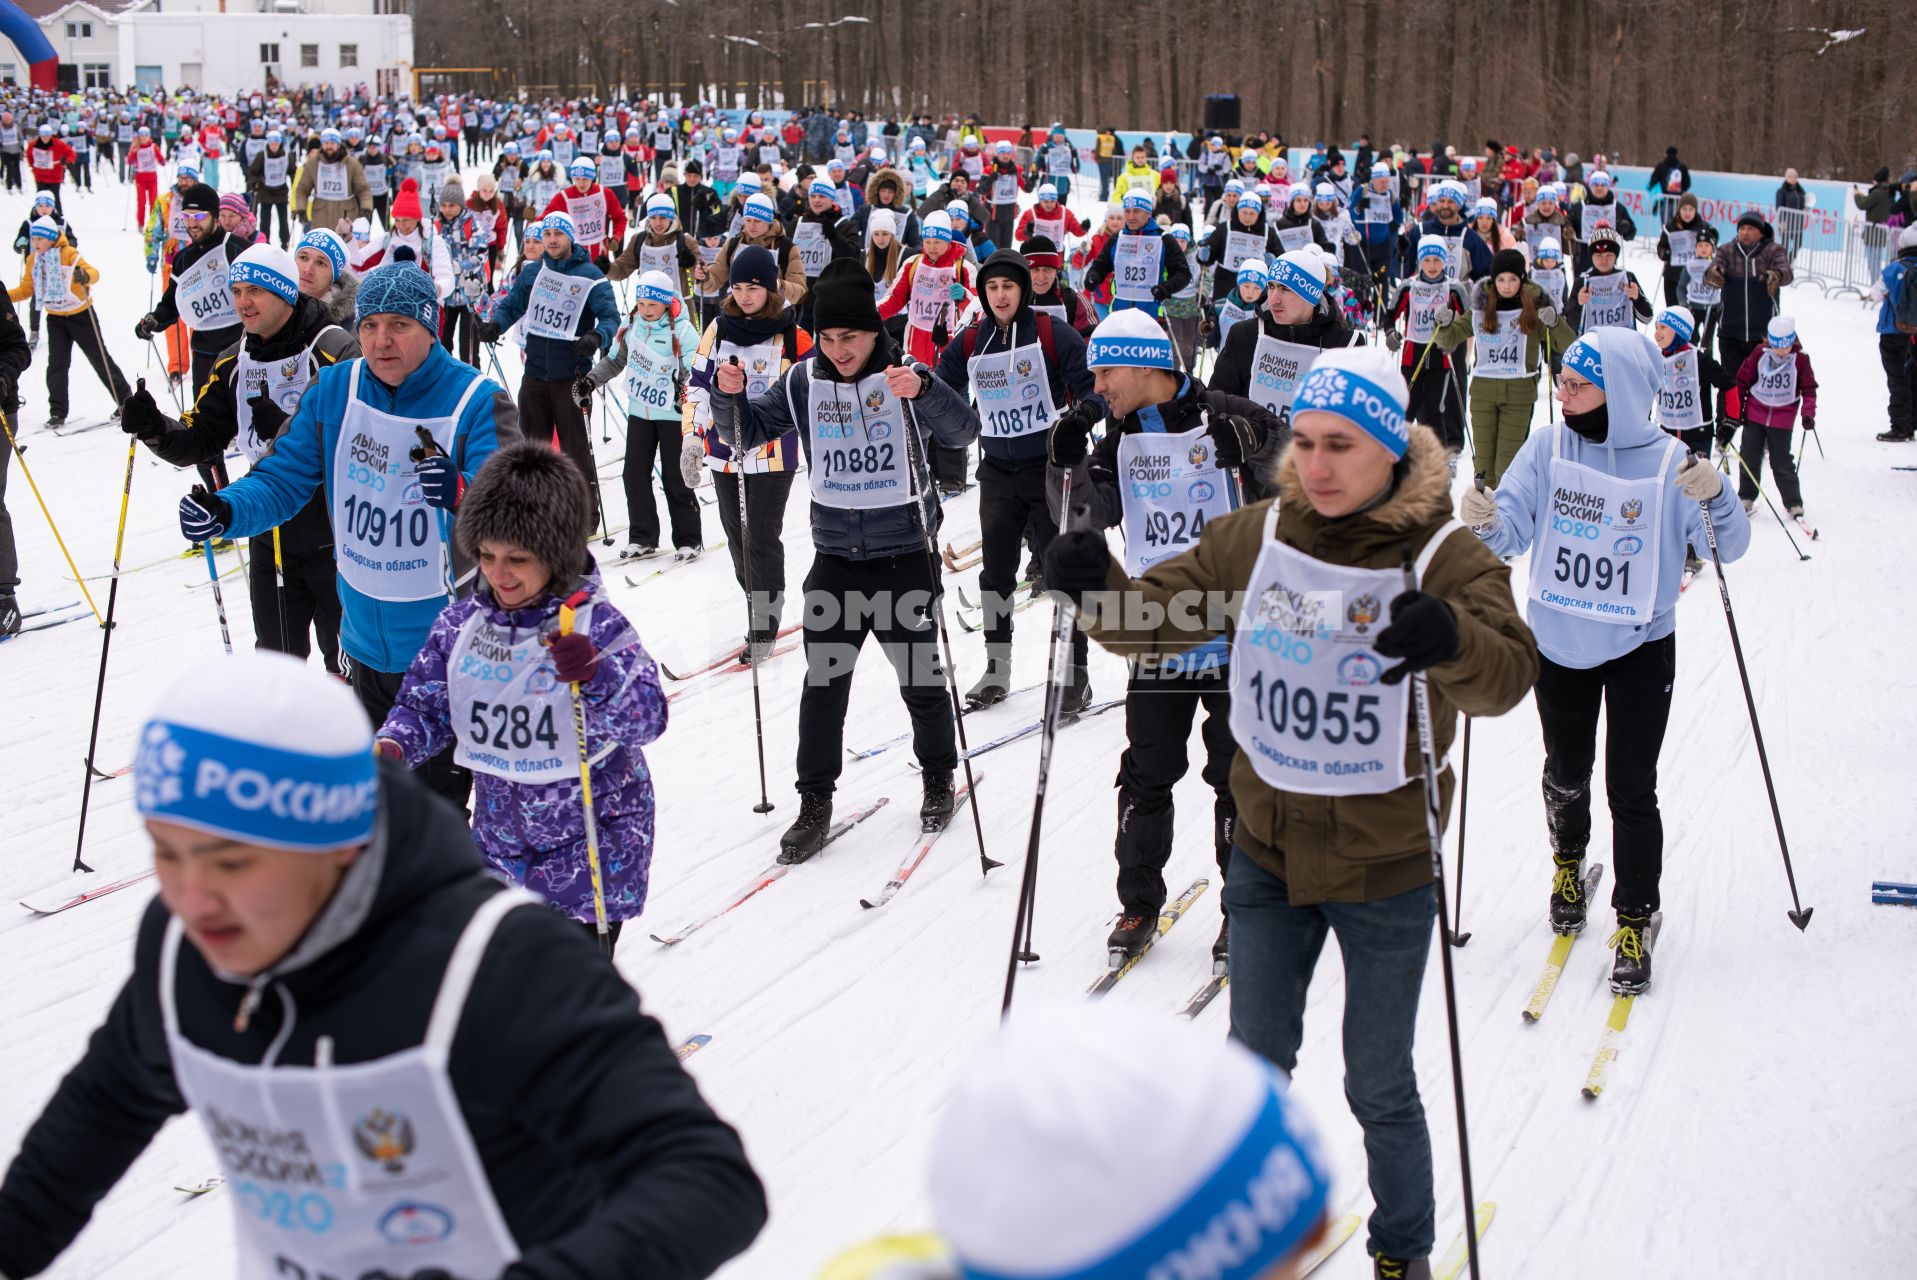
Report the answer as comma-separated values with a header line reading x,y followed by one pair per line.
x,y
195,217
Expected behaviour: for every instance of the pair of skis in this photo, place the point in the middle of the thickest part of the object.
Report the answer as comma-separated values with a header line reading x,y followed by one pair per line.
x,y
1618,1017
1449,1266
48,616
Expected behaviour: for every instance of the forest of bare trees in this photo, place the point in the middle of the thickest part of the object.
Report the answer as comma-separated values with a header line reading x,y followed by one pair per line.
x,y
1748,85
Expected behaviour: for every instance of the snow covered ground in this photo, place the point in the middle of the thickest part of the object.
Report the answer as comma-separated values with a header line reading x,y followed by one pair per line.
x,y
1758,1119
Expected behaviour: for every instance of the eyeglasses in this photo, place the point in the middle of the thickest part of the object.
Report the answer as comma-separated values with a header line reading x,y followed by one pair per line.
x,y
1570,387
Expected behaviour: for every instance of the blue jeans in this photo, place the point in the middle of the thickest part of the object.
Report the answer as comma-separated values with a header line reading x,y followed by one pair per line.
x,y
1274,948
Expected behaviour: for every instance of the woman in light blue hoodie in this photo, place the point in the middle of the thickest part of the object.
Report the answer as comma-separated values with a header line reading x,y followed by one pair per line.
x,y
1606,503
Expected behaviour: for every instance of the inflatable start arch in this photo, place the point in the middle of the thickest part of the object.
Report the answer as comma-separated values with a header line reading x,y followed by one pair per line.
x,y
43,65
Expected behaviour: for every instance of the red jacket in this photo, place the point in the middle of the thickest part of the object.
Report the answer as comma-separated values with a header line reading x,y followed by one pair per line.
x,y
1025,230
615,215
919,341
56,154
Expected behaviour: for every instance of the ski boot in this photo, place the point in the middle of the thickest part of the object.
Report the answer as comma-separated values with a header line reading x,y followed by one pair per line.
x,y
1568,903
55,421
996,684
1221,949
1130,937
1078,694
637,551
806,835
9,615
1384,1268
936,809
756,651
1631,971
683,554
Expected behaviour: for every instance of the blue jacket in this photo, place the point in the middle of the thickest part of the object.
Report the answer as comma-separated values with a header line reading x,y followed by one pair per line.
x,y
1376,232
549,360
1476,251
1634,450
384,635
1891,279
1070,381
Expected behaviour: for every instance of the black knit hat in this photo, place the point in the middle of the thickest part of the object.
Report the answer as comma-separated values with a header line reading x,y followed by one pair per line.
x,y
529,495
201,198
843,298
1508,260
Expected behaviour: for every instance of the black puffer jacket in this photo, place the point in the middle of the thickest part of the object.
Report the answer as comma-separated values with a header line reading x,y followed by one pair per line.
x,y
1232,373
602,1156
206,342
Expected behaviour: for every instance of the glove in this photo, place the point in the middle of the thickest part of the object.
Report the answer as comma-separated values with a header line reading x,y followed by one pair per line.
x,y
1772,279
1076,563
1071,435
1548,317
1726,431
1810,423
1232,440
145,327
268,418
1206,325
573,658
582,390
1160,293
956,292
1478,507
488,332
1393,339
204,516
152,263
586,345
140,416
1423,632
80,276
692,458
439,481
1699,480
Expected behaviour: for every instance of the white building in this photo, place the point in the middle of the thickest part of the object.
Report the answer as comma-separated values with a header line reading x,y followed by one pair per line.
x,y
224,46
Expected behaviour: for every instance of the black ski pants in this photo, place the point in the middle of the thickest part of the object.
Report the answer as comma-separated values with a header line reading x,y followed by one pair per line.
x,y
647,438
1011,504
1158,714
766,493
308,600
377,691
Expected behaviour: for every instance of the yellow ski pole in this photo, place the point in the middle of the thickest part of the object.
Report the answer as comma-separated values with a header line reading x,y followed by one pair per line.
x,y
567,612
22,458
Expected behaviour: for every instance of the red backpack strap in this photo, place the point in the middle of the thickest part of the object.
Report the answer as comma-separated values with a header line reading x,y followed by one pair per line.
x,y
968,342
1044,319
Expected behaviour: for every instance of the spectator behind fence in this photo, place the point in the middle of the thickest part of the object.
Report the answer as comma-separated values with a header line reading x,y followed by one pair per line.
x,y
1793,211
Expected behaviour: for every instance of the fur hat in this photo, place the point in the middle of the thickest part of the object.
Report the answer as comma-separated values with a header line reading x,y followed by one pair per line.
x,y
1508,260
532,496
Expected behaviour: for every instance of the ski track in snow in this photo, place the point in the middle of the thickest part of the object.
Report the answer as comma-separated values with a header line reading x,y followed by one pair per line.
x,y
1765,1063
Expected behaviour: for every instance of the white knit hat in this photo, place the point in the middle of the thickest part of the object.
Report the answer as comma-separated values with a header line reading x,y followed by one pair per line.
x,y
1101,1143
882,220
1302,272
1129,339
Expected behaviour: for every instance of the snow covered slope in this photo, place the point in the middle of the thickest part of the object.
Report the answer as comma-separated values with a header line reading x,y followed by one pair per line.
x,y
1758,1119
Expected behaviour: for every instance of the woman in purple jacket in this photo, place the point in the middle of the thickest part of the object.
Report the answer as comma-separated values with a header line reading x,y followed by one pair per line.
x,y
492,680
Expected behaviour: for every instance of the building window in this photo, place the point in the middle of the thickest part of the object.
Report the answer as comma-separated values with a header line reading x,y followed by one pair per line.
x,y
96,75
309,55
349,55
269,53
79,30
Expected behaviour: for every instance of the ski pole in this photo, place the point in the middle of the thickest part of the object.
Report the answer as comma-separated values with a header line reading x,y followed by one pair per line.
x,y
21,457
219,604
106,640
426,448
1759,486
279,591
1800,915
745,559
567,613
1427,751
1048,733
922,478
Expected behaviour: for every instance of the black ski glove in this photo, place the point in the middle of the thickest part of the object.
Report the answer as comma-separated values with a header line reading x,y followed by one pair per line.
x,y
1076,563
488,332
1423,632
1071,434
586,345
582,390
1232,440
145,327
139,416
268,418
1160,293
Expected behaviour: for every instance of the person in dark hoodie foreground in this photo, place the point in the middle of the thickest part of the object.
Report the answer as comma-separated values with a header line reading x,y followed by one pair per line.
x,y
404,1067
250,395
866,422
1021,368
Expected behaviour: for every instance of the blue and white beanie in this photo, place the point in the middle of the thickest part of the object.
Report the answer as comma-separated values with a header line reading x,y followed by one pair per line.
x,y
1598,179
1781,333
1046,191
1129,339
820,187
961,215
1302,273
1041,1171
749,183
269,267
1136,199
45,229
761,208
938,226
186,169
1254,271
1325,191
1678,320
656,286
263,749
1365,387
1486,207
558,221
1584,358
660,205
1550,248
582,164
329,135
325,241
1380,170
399,289
1434,246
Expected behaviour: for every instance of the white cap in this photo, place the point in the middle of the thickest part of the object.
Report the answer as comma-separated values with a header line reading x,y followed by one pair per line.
x,y
656,286
1046,191
1095,1140
1781,331
882,220
1129,339
1549,245
1303,272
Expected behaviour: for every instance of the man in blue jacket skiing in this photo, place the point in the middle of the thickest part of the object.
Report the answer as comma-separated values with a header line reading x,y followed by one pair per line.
x,y
357,432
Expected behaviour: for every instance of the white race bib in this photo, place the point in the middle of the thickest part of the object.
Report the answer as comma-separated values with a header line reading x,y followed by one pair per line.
x,y
650,377
931,293
511,716
1680,400
1597,550
1776,384
1169,488
273,170
1590,215
1610,304
1137,262
1013,391
1293,238
330,181
1277,367
283,381
1005,189
1551,280
1696,291
612,171
1427,300
52,283
1500,349
1376,207
813,248
1240,245
588,213
661,257
1683,245
858,445
202,295
556,303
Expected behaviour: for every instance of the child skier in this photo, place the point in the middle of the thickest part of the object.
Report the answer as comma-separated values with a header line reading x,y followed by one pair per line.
x,y
56,279
1422,303
492,681
1607,297
1774,385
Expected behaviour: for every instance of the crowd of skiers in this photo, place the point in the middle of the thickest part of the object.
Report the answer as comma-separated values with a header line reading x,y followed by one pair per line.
x,y
1264,383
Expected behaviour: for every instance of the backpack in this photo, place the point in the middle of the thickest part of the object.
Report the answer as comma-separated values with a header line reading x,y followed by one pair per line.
x,y
1041,320
1903,302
